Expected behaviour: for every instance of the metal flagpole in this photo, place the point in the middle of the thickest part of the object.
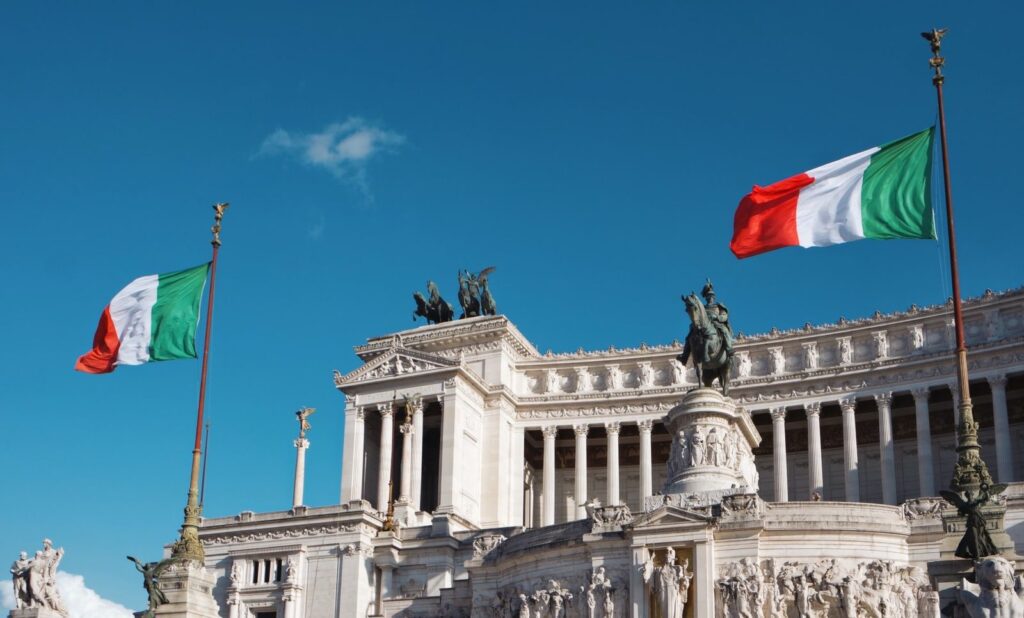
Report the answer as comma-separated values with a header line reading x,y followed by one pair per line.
x,y
188,548
206,454
971,474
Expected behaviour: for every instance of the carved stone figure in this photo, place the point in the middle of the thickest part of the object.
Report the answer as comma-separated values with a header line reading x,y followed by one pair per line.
x,y
881,344
732,450
678,372
583,380
916,337
291,570
553,381
645,375
999,593
845,351
745,365
236,573
810,356
697,447
709,340
150,581
435,309
670,584
614,378
19,579
778,361
524,606
715,448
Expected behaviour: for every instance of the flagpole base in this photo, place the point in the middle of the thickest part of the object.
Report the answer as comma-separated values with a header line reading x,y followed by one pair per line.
x,y
189,591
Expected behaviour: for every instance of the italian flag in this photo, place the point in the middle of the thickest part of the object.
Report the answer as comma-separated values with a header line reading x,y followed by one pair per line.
x,y
153,318
883,192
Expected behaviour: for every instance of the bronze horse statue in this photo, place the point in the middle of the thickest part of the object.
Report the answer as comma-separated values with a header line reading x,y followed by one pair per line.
x,y
706,346
435,309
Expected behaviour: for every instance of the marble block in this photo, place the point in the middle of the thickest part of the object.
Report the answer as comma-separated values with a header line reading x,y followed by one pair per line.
x,y
189,592
35,612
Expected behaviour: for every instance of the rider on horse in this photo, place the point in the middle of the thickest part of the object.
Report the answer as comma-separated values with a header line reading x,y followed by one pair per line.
x,y
719,316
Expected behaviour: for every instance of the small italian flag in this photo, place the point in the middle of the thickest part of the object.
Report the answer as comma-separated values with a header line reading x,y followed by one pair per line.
x,y
153,318
883,192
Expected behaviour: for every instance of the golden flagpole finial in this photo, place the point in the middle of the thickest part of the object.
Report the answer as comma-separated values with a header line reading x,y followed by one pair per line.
x,y
936,61
218,215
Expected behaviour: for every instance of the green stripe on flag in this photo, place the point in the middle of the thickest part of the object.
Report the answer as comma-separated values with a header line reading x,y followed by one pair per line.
x,y
176,314
896,194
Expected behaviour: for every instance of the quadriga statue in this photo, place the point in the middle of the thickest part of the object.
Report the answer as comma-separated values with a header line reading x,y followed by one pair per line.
x,y
999,592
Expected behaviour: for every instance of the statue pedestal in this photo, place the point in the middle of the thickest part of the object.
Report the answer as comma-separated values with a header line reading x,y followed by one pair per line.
x,y
712,447
189,592
34,612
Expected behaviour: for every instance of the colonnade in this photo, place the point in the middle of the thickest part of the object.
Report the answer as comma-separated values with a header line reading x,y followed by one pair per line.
x,y
409,491
883,401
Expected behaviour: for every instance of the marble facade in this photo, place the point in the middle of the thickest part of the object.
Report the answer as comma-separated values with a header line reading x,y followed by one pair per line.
x,y
530,484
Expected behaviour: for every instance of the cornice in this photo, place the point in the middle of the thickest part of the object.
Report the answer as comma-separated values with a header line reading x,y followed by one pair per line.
x,y
453,335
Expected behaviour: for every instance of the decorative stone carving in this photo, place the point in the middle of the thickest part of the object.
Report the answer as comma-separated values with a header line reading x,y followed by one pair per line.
x,y
743,364
742,505
742,589
924,508
614,378
697,447
776,360
549,602
678,372
881,343
917,337
999,592
485,544
845,350
810,355
670,584
608,518
553,381
645,375
598,585
584,383
35,579
236,573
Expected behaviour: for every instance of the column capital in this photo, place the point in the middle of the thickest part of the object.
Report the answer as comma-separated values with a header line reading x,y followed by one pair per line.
x,y
779,414
414,405
549,432
386,409
849,404
406,428
581,429
997,381
613,427
360,413
920,393
301,443
883,399
645,425
812,409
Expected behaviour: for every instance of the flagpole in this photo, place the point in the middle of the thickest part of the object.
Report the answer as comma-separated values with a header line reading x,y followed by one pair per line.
x,y
970,473
188,548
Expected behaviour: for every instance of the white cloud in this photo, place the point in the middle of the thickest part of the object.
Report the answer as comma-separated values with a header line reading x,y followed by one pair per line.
x,y
80,600
342,148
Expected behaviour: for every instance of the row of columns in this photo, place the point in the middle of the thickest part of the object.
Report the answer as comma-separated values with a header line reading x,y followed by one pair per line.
x,y
926,469
612,430
409,492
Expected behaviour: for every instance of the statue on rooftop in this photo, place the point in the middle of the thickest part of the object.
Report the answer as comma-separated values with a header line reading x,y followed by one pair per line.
x,y
709,341
35,579
474,294
150,581
434,308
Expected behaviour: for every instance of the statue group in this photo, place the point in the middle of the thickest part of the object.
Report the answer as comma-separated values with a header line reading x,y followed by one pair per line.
x,y
669,583
709,341
474,298
35,579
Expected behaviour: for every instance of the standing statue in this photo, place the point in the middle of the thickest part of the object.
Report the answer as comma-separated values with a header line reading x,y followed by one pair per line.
x,y
304,425
468,291
487,304
976,543
150,581
709,340
19,579
434,308
670,584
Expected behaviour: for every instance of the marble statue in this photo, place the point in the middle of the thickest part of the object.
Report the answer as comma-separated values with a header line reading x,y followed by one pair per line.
x,y
709,340
524,606
35,579
745,365
917,337
646,375
845,351
236,573
810,356
434,308
999,593
697,447
678,372
670,584
291,570
778,361
732,450
150,581
715,448
583,380
553,381
614,378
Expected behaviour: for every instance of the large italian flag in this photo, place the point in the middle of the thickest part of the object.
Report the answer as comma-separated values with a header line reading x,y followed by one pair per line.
x,y
883,192
153,318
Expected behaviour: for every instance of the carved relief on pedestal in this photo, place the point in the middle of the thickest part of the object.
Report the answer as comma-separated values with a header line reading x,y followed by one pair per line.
x,y
608,518
485,544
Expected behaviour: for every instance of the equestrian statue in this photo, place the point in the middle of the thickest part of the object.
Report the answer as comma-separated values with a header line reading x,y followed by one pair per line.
x,y
474,297
434,308
709,341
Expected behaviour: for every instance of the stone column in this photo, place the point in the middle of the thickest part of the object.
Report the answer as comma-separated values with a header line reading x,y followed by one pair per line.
x,y
548,510
1001,421
779,453
612,429
646,477
581,469
849,407
301,444
815,476
703,578
886,448
387,411
417,453
925,467
352,478
404,494
386,585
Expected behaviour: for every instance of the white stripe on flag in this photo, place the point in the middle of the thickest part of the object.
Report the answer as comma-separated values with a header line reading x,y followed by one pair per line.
x,y
828,210
132,312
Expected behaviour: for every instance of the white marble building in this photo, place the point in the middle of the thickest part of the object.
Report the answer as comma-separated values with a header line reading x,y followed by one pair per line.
x,y
494,449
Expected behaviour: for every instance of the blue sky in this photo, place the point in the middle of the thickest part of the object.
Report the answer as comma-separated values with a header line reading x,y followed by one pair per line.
x,y
592,152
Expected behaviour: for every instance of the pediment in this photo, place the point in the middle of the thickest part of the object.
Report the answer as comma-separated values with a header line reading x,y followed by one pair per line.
x,y
673,515
396,361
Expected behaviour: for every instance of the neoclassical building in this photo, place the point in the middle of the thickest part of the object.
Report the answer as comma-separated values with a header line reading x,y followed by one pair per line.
x,y
518,479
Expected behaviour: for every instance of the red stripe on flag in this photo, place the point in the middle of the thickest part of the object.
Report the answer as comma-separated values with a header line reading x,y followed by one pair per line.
x,y
766,217
103,355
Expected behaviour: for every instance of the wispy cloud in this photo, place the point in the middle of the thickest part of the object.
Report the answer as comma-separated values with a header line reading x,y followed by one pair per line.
x,y
342,148
80,600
